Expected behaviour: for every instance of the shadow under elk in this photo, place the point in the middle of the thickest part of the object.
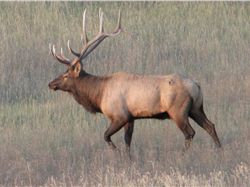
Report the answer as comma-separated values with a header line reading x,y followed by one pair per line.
x,y
124,98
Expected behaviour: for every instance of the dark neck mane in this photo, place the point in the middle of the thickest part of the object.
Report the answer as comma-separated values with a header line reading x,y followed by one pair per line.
x,y
88,91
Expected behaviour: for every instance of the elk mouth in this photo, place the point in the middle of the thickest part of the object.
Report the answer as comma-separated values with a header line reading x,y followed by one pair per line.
x,y
53,86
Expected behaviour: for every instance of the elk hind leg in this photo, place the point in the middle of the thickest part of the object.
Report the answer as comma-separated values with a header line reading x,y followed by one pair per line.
x,y
187,131
200,118
180,116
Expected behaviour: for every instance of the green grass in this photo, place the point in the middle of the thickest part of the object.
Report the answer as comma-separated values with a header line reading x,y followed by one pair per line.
x,y
46,138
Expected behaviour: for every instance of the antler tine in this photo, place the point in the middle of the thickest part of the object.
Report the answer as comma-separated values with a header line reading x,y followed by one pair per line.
x,y
62,55
85,38
101,29
72,51
119,20
53,50
59,58
118,28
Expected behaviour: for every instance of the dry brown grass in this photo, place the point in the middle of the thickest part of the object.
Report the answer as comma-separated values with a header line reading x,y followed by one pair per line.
x,y
47,139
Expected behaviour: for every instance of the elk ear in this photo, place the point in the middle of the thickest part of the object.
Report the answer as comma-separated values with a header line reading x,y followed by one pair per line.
x,y
77,69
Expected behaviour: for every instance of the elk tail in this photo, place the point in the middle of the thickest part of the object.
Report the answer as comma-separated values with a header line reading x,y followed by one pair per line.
x,y
199,100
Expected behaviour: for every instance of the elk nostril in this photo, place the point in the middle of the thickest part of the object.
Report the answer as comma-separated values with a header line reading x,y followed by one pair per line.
x,y
50,85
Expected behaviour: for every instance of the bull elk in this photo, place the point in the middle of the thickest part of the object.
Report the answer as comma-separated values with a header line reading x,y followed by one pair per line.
x,y
124,98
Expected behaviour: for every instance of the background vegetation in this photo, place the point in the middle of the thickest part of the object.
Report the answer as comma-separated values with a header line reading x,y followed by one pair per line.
x,y
46,138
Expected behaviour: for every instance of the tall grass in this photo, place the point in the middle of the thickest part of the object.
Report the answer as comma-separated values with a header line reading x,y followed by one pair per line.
x,y
48,139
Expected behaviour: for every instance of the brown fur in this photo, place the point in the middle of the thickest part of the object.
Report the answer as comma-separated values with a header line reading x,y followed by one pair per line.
x,y
88,91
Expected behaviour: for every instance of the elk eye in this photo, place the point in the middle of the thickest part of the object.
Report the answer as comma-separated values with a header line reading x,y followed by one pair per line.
x,y
65,77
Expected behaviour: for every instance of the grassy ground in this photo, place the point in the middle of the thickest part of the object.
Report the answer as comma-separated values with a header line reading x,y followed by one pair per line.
x,y
46,138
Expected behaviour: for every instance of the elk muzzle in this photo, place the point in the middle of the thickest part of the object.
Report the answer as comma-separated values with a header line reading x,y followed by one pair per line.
x,y
55,84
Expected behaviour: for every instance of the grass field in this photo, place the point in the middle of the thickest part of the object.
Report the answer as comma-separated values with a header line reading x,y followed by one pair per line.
x,y
47,139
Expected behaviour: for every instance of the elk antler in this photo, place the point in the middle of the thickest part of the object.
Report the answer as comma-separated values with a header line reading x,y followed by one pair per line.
x,y
89,46
61,58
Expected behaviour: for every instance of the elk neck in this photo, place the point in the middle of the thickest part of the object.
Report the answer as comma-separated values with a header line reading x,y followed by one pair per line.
x,y
88,91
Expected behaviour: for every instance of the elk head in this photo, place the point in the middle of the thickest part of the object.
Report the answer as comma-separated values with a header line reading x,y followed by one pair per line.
x,y
75,70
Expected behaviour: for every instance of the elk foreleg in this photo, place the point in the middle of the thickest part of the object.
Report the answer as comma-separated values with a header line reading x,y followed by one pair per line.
x,y
113,128
128,132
